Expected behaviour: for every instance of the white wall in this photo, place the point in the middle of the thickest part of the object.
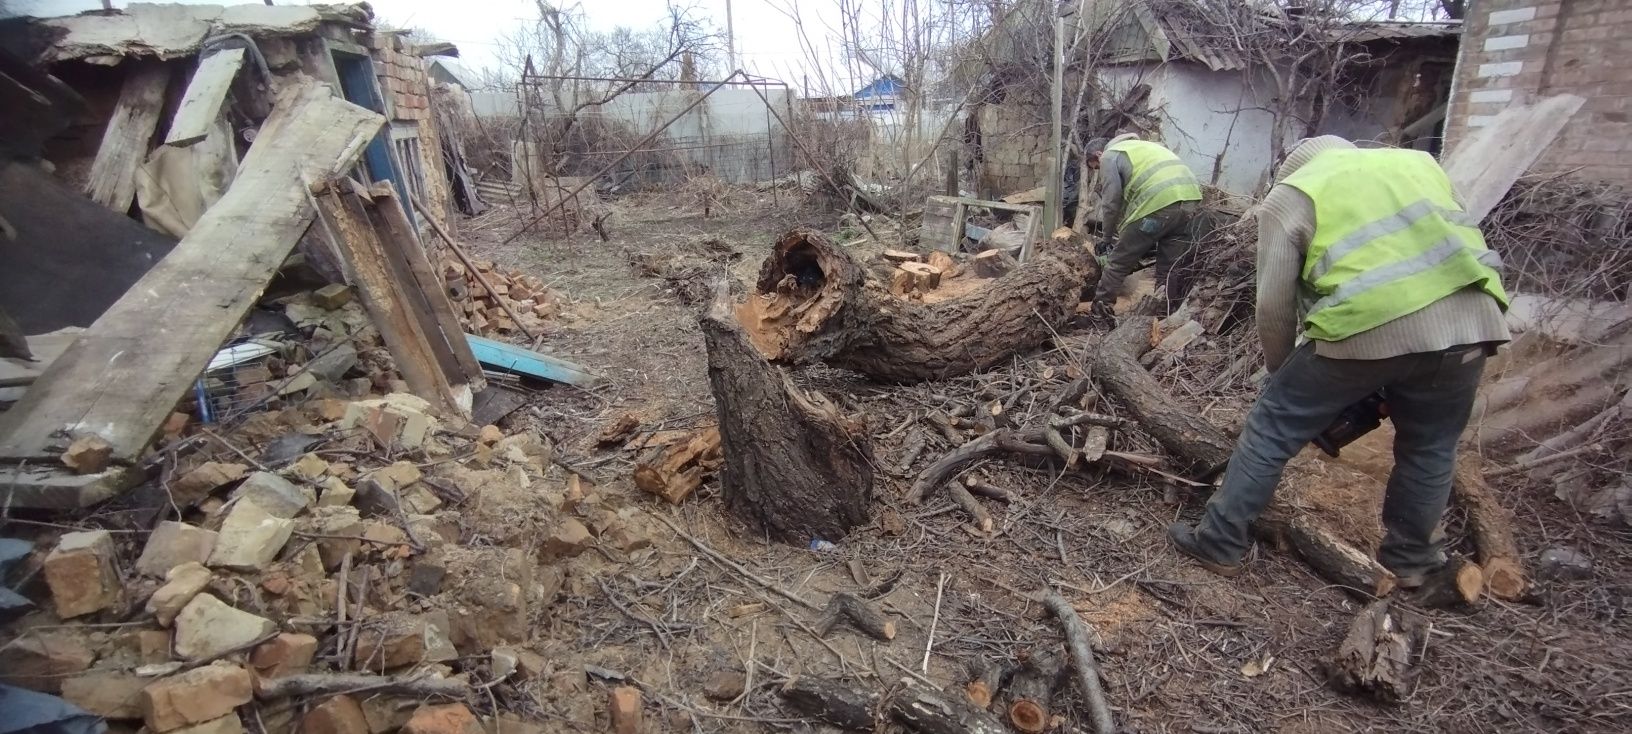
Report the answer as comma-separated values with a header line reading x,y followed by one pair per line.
x,y
1214,120
731,133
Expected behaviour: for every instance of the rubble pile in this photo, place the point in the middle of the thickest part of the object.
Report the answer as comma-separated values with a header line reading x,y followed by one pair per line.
x,y
515,303
348,562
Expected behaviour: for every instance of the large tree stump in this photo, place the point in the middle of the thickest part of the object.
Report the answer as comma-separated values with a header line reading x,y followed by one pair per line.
x,y
814,302
795,469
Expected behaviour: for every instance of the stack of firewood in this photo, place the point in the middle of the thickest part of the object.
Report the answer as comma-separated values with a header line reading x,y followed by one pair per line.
x,y
494,301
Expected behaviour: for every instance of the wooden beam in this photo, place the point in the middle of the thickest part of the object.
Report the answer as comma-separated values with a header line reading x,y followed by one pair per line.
x,y
125,374
378,245
124,143
452,349
205,94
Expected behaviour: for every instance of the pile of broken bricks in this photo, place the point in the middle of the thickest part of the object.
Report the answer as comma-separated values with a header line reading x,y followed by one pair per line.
x,y
331,587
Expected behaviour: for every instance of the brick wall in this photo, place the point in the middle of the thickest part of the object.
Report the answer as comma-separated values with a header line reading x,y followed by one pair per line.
x,y
1515,51
1013,148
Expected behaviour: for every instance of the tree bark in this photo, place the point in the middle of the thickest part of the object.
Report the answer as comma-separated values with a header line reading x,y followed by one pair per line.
x,y
795,469
813,302
1078,641
1375,657
914,707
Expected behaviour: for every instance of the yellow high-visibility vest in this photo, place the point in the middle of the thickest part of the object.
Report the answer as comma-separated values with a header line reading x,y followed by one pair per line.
x,y
1159,179
1390,239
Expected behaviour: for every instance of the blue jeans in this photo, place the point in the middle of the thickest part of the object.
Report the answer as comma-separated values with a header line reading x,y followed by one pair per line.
x,y
1430,396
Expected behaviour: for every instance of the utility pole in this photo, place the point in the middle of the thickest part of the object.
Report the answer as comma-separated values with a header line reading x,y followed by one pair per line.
x,y
730,39
1056,162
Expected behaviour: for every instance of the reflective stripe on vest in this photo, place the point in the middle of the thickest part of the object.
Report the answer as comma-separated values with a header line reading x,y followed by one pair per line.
x,y
1158,179
1389,240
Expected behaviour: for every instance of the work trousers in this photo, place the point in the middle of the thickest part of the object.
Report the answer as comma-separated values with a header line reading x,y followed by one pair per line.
x,y
1170,232
1430,396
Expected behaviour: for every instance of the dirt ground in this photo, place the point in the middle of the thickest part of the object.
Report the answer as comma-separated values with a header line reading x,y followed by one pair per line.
x,y
1180,649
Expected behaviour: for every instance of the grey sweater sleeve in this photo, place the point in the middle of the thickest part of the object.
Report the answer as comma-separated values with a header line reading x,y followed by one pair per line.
x,y
1285,227
1114,170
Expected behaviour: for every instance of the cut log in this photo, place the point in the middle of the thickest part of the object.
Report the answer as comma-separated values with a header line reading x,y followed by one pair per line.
x,y
832,702
914,707
850,608
795,468
1490,526
1031,691
992,264
1375,656
920,277
676,470
943,262
986,680
902,256
1459,582
981,488
813,303
967,502
1201,445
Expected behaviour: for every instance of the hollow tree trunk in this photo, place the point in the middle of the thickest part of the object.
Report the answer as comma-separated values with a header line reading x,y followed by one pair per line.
x,y
795,469
814,302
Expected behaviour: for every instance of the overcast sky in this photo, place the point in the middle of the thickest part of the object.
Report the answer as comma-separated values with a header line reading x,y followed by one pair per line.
x,y
767,40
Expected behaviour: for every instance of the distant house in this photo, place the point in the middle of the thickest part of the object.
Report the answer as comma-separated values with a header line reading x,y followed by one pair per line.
x,y
881,94
1179,74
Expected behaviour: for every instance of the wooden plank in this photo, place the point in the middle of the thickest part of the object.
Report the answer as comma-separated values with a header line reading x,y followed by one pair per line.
x,y
127,371
1484,165
347,213
511,358
124,143
452,350
205,94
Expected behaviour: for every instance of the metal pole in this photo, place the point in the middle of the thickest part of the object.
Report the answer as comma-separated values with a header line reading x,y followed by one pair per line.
x,y
632,149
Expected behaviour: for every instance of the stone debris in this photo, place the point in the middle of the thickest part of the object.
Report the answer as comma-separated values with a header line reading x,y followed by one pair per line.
x,y
453,718
173,544
623,706
289,653
87,455
198,483
181,584
42,660
398,639
337,715
277,496
108,694
208,627
82,573
195,697
250,537
568,539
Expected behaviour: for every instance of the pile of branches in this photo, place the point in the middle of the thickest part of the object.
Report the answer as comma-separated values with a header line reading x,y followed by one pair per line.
x,y
1564,237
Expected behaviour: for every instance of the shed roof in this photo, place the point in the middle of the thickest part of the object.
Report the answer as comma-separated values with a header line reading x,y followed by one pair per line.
x,y
171,30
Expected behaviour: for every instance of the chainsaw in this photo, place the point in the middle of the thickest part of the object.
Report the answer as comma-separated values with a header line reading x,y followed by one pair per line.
x,y
1353,422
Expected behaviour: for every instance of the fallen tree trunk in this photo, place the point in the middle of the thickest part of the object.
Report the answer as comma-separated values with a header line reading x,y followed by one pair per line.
x,y
1193,440
795,469
814,302
1490,527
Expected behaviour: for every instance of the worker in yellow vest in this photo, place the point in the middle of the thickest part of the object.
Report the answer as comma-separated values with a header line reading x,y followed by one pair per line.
x,y
1371,280
1149,198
